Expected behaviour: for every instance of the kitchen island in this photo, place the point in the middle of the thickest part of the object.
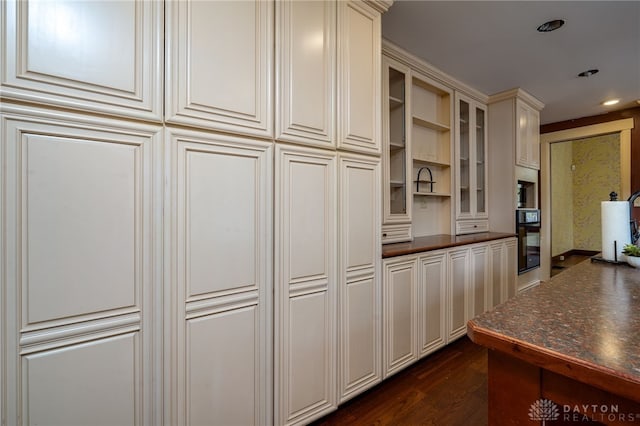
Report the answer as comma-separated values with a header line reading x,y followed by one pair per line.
x,y
567,350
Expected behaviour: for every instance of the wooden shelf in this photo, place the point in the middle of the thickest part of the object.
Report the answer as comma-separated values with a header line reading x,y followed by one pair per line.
x,y
432,194
395,102
432,162
395,146
396,183
431,124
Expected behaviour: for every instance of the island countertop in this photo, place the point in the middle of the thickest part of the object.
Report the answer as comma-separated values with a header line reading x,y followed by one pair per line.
x,y
440,241
584,324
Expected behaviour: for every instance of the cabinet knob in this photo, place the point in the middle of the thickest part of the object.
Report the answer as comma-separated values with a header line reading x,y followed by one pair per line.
x,y
384,235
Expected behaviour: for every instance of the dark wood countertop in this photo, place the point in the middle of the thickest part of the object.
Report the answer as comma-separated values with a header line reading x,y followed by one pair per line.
x,y
435,242
583,324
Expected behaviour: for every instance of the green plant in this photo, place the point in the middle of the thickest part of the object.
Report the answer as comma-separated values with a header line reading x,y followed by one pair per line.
x,y
631,250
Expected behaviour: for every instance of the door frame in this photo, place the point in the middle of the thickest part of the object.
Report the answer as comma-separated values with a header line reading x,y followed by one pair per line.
x,y
618,126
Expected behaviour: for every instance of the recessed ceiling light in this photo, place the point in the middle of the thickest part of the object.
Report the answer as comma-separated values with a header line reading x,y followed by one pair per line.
x,y
611,102
551,25
589,73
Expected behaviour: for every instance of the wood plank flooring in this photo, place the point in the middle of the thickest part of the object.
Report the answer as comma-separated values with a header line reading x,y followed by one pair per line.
x,y
448,387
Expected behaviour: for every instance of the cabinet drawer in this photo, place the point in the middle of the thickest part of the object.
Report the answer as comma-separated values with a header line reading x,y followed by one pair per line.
x,y
396,233
472,226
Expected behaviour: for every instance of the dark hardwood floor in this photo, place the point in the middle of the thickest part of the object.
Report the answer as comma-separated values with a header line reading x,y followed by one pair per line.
x,y
448,387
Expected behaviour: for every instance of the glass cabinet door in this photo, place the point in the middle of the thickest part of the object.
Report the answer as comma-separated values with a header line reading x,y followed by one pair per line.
x,y
397,143
464,165
481,193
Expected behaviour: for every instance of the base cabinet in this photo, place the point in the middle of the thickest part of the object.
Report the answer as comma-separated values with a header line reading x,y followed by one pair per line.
x,y
502,271
432,287
400,313
429,298
457,293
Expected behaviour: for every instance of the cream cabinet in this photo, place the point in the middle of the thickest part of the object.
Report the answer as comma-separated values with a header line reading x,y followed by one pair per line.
x,y
305,338
514,135
328,74
397,152
417,150
527,135
219,279
359,294
219,61
432,288
400,313
457,293
471,166
103,57
82,261
306,58
502,271
359,114
478,280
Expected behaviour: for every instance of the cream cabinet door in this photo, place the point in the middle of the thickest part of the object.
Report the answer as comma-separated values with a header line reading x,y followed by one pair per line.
x,y
360,332
219,58
457,293
81,264
99,56
510,270
527,136
399,313
432,285
305,55
479,279
218,279
503,271
305,284
359,84
495,292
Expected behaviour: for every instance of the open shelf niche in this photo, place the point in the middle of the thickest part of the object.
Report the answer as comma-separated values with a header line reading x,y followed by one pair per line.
x,y
431,153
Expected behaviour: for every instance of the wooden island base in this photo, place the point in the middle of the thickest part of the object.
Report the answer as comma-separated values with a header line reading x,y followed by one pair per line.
x,y
515,386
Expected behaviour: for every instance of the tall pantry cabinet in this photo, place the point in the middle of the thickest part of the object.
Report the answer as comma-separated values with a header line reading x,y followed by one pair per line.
x,y
191,235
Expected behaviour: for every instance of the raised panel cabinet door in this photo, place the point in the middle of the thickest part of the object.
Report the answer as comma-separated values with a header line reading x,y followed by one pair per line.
x,y
360,297
81,259
479,279
305,338
219,58
218,279
495,290
534,138
100,56
457,293
399,314
510,271
305,55
432,287
523,134
359,85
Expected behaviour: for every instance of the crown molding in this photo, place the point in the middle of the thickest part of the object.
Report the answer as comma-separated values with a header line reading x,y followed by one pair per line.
x,y
517,93
399,54
380,5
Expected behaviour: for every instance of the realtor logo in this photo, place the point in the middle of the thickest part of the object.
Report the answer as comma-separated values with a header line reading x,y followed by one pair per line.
x,y
544,410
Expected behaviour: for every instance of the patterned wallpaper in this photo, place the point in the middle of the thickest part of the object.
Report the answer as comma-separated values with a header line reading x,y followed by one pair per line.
x,y
576,195
561,198
597,173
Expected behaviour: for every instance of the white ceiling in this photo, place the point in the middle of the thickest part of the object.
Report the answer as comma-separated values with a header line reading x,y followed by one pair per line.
x,y
494,46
